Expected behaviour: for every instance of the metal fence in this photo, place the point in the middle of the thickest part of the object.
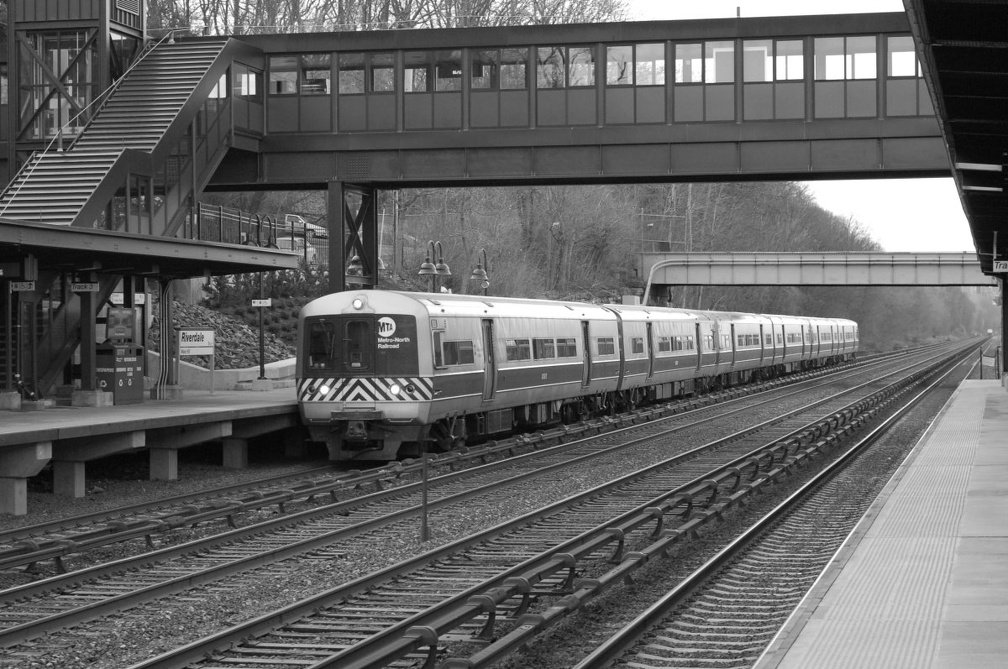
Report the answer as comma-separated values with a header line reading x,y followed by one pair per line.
x,y
286,232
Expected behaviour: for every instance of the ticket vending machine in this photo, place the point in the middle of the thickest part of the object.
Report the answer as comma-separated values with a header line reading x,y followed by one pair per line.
x,y
119,361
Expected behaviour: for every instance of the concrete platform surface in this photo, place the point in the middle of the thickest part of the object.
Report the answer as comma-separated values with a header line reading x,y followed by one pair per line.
x,y
61,422
923,579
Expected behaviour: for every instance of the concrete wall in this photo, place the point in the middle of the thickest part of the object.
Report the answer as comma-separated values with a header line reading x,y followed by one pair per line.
x,y
196,378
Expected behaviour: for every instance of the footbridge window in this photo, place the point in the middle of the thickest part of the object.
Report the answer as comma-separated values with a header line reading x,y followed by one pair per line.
x,y
565,85
705,81
635,84
366,86
299,89
846,74
906,92
773,79
499,96
247,98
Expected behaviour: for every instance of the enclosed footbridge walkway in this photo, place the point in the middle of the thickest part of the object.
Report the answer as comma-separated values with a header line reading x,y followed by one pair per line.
x,y
812,269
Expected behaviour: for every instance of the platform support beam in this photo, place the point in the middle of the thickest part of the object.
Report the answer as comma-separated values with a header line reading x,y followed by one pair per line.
x,y
235,453
68,478
19,462
14,496
163,464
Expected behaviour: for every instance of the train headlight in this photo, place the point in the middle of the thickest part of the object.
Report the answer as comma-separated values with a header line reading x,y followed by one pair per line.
x,y
394,389
324,389
358,303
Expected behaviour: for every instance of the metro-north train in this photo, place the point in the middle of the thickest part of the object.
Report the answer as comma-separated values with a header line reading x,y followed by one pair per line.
x,y
382,374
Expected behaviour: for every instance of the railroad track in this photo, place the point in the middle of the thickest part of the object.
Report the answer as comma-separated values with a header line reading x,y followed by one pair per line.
x,y
36,545
727,612
405,624
110,587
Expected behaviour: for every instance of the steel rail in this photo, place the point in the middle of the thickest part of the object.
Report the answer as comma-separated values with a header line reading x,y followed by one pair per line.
x,y
617,644
22,632
264,624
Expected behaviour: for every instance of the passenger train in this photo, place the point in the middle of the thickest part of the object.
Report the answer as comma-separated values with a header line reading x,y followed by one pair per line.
x,y
383,373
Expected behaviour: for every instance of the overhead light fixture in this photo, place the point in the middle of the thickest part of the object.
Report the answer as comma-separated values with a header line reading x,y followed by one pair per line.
x,y
984,189
979,167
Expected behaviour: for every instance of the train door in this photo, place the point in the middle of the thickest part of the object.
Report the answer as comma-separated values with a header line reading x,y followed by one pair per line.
x,y
734,347
699,348
650,350
586,345
489,361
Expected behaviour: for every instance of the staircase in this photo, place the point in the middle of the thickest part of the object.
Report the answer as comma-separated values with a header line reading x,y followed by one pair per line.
x,y
142,127
56,187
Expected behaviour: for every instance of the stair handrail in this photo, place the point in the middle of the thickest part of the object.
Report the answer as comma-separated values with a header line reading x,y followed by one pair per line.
x,y
36,157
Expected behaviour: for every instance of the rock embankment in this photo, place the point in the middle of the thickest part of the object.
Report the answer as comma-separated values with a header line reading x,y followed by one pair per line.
x,y
237,344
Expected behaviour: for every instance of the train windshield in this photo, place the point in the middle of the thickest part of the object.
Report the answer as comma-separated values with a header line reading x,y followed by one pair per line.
x,y
360,345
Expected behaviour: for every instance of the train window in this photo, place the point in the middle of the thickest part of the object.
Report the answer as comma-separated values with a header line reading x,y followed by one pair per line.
x,y
708,342
458,352
566,347
725,341
543,349
517,349
358,345
321,353
741,340
438,350
637,344
689,343
664,344
606,345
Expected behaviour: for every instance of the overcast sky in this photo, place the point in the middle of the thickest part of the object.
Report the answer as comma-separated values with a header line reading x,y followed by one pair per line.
x,y
921,215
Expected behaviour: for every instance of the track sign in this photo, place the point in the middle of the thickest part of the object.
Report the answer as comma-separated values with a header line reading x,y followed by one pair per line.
x,y
22,286
84,287
268,302
1001,266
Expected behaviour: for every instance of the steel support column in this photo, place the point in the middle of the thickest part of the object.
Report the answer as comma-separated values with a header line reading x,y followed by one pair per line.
x,y
1004,325
88,340
355,208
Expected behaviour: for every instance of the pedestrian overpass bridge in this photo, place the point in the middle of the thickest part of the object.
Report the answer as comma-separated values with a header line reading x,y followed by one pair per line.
x,y
812,269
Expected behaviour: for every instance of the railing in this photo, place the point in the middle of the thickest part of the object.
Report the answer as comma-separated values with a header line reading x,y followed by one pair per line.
x,y
28,168
232,226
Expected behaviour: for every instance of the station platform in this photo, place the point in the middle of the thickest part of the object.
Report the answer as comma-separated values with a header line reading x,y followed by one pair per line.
x,y
70,436
922,581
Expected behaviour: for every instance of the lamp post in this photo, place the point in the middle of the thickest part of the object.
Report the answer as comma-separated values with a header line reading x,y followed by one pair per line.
x,y
428,268
354,273
480,274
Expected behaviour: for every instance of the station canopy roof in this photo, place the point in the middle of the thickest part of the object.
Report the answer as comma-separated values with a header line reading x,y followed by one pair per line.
x,y
59,248
963,49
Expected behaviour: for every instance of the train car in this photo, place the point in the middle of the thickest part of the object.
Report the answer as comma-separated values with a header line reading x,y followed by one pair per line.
x,y
384,374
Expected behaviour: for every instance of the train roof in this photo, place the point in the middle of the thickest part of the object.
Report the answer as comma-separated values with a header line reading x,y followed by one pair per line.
x,y
452,304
